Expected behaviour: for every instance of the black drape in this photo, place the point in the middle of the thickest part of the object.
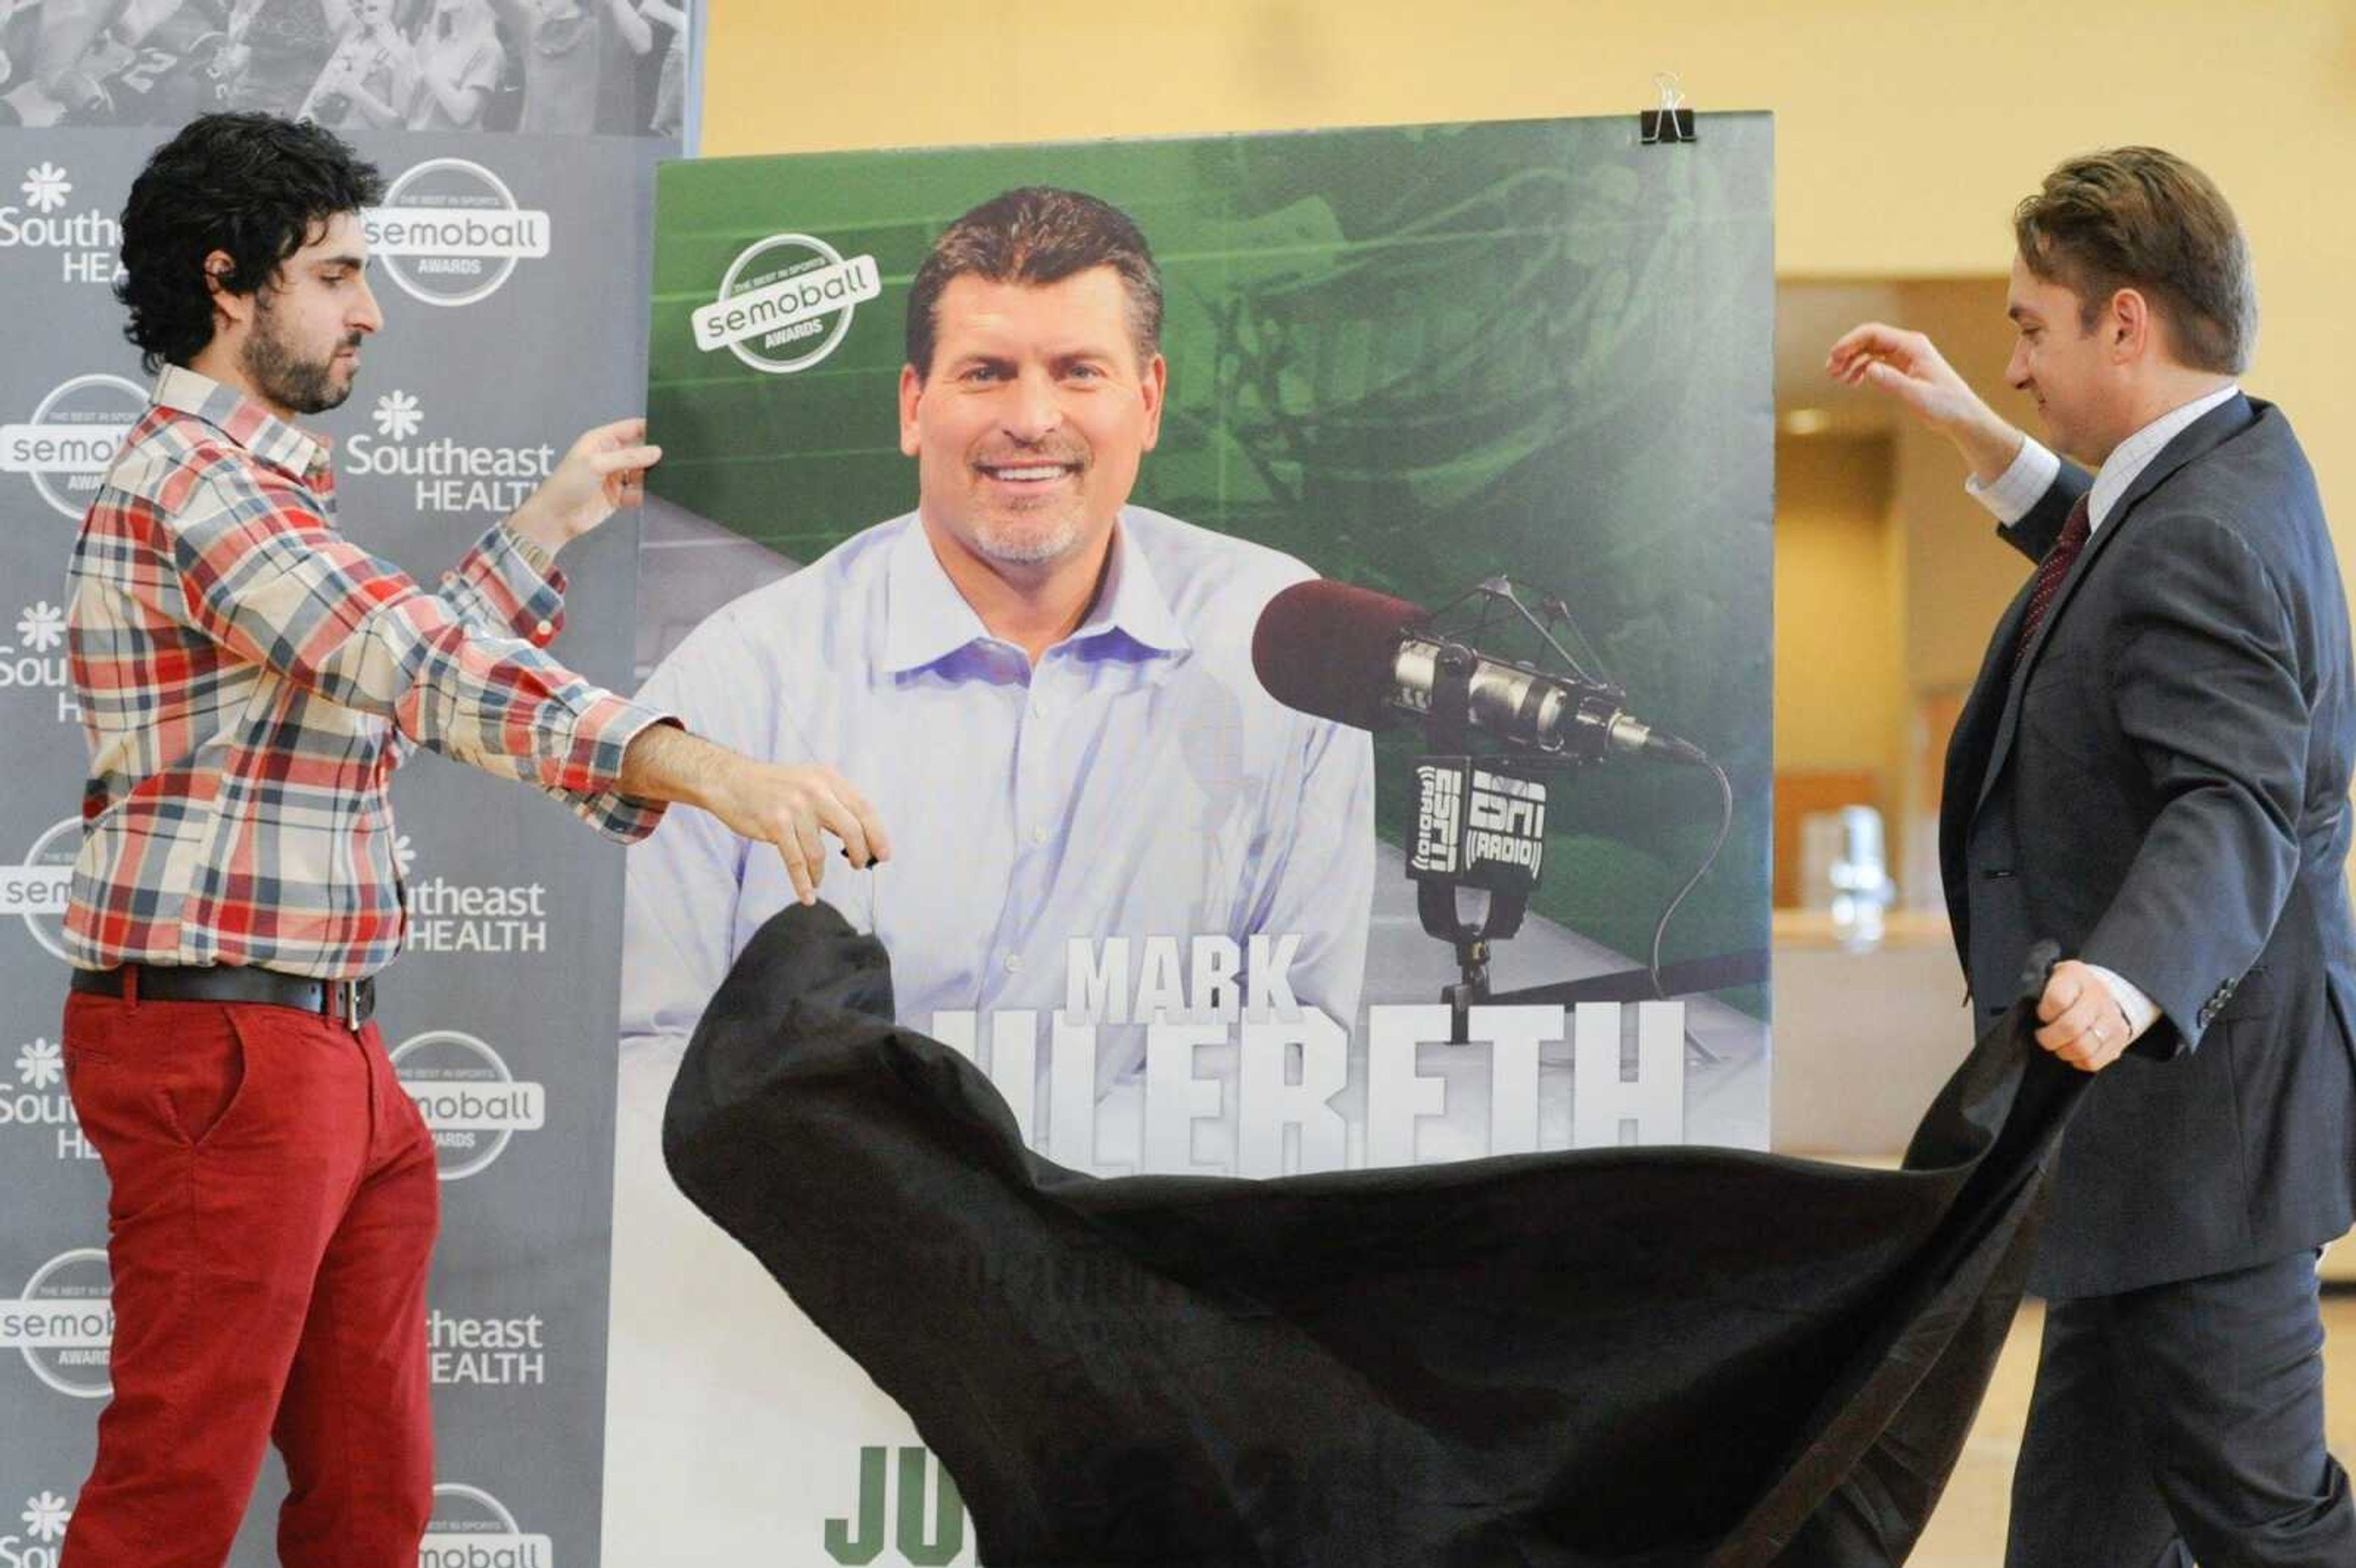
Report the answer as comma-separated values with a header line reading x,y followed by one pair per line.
x,y
1640,1357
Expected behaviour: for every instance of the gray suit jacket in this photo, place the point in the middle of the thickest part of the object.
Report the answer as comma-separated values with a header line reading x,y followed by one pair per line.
x,y
2160,783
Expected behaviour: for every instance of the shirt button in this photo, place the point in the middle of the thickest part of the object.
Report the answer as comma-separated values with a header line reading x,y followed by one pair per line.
x,y
1013,962
1039,707
1039,836
545,630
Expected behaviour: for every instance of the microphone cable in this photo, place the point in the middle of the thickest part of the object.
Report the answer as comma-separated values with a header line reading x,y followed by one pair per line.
x,y
1725,827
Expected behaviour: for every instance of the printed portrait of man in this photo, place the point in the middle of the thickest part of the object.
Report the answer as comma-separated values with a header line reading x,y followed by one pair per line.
x,y
1045,690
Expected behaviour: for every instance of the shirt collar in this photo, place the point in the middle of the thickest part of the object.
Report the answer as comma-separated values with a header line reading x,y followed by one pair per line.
x,y
927,619
2132,456
243,419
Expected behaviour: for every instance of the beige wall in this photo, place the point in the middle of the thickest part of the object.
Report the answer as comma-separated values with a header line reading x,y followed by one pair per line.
x,y
1958,575
1839,676
1905,131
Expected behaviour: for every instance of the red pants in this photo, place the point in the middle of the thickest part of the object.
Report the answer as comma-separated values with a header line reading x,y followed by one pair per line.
x,y
270,1220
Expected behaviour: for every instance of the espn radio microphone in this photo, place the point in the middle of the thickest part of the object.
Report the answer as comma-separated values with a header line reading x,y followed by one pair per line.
x,y
1362,658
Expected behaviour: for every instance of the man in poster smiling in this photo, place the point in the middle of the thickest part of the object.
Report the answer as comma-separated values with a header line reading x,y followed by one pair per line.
x,y
1048,688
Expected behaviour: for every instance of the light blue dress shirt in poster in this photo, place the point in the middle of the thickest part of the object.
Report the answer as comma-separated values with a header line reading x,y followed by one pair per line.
x,y
1138,782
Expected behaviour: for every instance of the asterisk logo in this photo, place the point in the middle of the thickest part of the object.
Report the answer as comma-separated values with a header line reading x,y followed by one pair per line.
x,y
398,415
39,1064
41,627
404,855
45,1516
45,186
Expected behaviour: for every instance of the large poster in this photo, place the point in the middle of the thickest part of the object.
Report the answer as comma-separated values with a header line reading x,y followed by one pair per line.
x,y
1184,916
510,268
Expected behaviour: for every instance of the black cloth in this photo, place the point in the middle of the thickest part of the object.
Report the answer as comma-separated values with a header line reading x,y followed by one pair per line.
x,y
1635,1357
2160,783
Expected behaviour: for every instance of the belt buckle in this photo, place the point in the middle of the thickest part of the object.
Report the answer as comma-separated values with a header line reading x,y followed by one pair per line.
x,y
344,1003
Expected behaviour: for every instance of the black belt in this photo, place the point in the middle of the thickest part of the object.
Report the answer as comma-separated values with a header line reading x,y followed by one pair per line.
x,y
348,1002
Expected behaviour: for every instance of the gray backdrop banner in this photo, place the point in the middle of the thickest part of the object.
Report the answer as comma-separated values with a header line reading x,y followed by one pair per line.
x,y
517,325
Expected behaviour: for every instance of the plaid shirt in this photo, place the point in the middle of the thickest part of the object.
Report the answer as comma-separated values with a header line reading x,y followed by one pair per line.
x,y
249,680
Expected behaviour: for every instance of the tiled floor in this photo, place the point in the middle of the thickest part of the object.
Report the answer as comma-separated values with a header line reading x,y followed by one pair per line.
x,y
1968,1530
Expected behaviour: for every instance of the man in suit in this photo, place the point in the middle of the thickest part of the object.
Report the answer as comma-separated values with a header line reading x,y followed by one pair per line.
x,y
2153,769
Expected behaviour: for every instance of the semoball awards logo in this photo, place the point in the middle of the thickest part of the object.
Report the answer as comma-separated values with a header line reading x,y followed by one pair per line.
x,y
69,443
473,1105
37,661
36,890
38,1102
44,222
786,303
450,232
62,1323
446,475
471,1528
43,1533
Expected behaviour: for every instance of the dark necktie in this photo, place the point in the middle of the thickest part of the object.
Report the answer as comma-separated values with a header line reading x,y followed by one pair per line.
x,y
2052,570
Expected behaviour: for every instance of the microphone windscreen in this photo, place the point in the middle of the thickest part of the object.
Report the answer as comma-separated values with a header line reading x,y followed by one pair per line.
x,y
1330,649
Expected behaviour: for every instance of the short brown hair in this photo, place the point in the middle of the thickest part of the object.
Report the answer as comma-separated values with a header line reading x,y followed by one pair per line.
x,y
2137,217
1036,235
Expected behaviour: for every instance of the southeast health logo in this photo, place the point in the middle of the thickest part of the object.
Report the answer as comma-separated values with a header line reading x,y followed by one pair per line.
x,y
36,661
45,1517
84,242
38,1104
446,475
46,187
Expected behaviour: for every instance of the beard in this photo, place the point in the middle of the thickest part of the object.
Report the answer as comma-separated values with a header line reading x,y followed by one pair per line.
x,y
281,372
1016,544
1031,539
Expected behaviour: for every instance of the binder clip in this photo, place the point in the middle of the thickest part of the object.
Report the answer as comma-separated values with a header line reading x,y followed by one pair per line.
x,y
1670,122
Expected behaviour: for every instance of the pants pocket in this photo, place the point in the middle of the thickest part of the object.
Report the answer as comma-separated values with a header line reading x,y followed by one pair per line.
x,y
210,1078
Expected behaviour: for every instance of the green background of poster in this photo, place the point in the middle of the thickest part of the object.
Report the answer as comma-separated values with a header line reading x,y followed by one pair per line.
x,y
1413,358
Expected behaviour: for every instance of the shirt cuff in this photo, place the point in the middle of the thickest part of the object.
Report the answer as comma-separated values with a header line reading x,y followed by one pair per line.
x,y
521,597
2141,1011
592,784
2018,487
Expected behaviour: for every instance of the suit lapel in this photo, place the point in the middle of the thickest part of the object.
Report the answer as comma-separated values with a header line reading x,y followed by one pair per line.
x,y
2202,436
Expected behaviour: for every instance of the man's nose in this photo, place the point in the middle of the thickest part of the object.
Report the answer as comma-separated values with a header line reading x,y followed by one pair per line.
x,y
1035,409
367,315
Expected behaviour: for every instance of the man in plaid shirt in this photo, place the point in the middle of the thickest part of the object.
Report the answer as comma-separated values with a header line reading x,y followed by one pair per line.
x,y
249,678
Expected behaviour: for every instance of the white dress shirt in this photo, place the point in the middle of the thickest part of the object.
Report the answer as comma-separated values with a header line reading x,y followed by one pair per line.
x,y
1136,783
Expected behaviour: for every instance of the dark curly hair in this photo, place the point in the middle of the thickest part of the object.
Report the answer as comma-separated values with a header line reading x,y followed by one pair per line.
x,y
255,187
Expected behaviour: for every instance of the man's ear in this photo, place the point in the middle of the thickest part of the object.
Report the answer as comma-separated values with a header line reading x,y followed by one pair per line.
x,y
227,305
1155,388
912,391
2131,325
